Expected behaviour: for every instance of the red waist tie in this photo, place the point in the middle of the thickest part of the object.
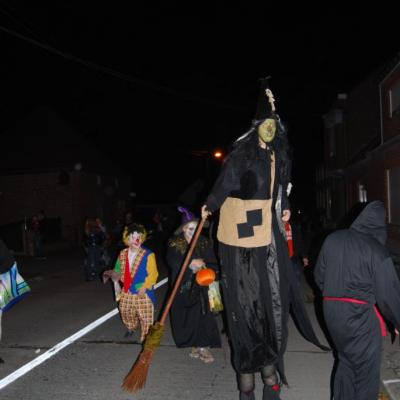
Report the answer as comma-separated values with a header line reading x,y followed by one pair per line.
x,y
348,300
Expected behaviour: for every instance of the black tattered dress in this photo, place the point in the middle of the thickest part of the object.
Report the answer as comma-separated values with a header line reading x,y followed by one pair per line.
x,y
257,280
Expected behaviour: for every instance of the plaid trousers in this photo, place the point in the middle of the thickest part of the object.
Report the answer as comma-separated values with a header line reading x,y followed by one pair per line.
x,y
136,310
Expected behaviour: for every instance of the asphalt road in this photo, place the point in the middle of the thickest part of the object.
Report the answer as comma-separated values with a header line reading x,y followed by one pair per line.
x,y
92,367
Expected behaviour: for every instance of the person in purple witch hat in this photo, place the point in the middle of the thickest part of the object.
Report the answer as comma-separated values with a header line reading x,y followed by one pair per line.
x,y
193,324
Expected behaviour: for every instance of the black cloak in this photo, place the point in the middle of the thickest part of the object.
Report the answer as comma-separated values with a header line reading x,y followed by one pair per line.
x,y
258,283
192,322
354,265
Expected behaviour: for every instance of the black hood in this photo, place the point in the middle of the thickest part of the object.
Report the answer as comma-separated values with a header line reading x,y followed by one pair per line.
x,y
372,221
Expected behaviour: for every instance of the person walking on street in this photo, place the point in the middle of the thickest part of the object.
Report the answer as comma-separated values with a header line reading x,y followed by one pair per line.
x,y
136,271
193,324
359,283
6,262
258,282
93,241
37,227
12,286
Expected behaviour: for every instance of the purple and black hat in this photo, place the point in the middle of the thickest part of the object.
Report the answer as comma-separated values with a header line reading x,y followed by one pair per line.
x,y
187,216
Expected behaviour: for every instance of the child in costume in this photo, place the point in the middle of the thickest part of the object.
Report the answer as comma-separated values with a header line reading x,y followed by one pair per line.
x,y
136,271
193,324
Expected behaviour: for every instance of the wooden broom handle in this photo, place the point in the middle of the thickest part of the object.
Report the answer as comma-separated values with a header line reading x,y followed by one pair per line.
x,y
182,271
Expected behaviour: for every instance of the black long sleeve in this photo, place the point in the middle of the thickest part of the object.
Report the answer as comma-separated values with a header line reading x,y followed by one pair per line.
x,y
320,267
227,181
176,256
6,258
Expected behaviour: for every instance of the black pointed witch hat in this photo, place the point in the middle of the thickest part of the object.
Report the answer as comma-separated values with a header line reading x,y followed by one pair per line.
x,y
265,104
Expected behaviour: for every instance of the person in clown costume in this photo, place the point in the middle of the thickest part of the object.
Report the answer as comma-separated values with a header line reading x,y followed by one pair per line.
x,y
134,275
258,282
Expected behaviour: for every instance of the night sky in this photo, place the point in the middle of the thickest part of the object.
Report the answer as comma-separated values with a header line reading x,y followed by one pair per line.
x,y
153,85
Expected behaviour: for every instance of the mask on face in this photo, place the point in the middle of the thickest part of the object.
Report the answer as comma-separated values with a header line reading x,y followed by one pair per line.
x,y
267,130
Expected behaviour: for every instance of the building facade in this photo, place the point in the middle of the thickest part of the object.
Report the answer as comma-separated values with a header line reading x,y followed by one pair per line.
x,y
362,148
50,166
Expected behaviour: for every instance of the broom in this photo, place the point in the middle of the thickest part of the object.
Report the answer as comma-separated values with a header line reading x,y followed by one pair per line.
x,y
136,377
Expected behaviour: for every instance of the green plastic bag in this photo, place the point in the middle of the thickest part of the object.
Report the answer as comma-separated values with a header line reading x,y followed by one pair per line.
x,y
214,297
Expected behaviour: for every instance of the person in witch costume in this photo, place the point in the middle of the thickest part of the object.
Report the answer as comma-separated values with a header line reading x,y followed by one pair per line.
x,y
355,273
258,282
136,270
193,324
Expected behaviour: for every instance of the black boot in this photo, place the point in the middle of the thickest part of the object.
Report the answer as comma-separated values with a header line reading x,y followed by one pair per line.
x,y
247,396
271,392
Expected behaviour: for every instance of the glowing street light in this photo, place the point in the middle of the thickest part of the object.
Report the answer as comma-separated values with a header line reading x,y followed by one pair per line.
x,y
217,154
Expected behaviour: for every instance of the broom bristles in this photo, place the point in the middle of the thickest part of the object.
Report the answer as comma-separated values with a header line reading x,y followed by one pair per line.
x,y
136,378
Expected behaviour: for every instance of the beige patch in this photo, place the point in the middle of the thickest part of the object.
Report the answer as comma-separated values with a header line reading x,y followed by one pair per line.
x,y
234,212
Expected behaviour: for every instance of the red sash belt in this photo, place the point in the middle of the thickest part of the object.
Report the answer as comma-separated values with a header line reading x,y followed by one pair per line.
x,y
348,300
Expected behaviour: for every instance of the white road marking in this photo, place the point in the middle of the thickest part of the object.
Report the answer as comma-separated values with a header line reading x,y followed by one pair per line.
x,y
389,381
388,388
66,342
158,284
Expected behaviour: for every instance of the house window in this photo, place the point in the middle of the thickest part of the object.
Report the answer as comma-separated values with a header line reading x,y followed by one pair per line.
x,y
394,99
362,193
394,195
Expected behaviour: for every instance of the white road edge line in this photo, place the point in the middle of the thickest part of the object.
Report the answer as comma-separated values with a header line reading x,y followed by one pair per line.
x,y
66,342
389,381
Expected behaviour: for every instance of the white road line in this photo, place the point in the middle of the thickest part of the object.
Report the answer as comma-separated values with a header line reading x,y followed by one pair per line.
x,y
158,284
66,342
389,381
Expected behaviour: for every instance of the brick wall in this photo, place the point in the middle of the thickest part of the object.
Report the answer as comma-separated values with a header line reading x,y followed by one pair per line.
x,y
86,194
24,195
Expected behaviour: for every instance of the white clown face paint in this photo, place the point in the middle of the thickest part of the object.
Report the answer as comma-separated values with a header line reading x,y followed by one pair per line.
x,y
135,240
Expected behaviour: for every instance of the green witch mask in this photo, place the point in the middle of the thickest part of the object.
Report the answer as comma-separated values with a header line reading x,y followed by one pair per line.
x,y
267,130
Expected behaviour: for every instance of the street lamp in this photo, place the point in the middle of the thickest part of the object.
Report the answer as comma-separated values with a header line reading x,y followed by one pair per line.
x,y
217,154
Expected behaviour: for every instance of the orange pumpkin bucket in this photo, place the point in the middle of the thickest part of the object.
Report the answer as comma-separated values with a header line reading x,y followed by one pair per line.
x,y
205,276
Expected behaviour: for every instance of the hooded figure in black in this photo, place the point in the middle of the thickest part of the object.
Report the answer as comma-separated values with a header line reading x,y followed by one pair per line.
x,y
258,281
355,273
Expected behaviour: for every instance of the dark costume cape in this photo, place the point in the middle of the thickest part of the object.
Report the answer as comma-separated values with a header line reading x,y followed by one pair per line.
x,y
258,282
192,322
353,264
